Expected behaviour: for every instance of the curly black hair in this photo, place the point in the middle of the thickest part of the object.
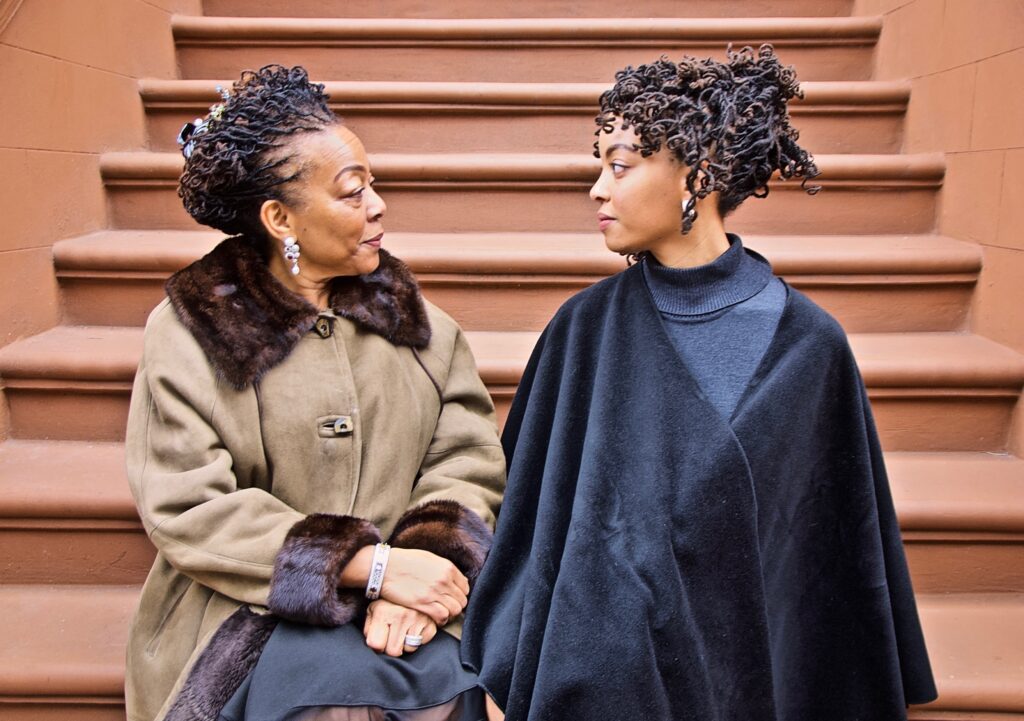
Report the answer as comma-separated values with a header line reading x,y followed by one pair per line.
x,y
726,122
233,165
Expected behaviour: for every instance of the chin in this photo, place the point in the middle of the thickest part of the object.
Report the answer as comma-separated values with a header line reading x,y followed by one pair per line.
x,y
623,247
368,265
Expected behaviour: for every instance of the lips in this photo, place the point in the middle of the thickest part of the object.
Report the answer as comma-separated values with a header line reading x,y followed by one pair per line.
x,y
603,221
374,241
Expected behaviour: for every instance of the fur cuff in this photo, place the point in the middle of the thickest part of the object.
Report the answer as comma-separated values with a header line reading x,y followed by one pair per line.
x,y
303,587
222,666
448,529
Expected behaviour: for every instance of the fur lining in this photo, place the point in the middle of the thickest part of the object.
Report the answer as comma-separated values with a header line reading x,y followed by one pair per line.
x,y
247,322
222,666
448,529
303,586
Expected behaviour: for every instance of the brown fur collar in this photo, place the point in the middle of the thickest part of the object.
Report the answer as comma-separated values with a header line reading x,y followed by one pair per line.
x,y
247,322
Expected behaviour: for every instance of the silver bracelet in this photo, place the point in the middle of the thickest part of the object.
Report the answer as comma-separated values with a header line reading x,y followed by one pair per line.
x,y
377,568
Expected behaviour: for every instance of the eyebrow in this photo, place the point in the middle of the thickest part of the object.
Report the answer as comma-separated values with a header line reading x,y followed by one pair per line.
x,y
631,147
348,168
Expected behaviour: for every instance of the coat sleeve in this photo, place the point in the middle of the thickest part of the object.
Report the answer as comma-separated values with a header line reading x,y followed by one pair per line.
x,y
461,480
182,454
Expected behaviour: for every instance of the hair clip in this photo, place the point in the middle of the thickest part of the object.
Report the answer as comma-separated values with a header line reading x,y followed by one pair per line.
x,y
191,131
186,137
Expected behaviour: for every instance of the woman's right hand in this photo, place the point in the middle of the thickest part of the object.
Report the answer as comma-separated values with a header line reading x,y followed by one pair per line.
x,y
425,582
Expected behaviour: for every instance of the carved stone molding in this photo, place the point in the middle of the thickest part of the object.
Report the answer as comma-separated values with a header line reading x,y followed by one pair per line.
x,y
7,10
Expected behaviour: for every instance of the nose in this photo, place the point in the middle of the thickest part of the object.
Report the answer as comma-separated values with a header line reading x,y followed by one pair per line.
x,y
599,190
375,205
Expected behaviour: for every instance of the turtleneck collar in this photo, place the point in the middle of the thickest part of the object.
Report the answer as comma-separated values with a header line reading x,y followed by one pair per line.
x,y
733,277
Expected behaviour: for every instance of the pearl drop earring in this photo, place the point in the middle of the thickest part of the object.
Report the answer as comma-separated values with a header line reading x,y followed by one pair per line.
x,y
291,253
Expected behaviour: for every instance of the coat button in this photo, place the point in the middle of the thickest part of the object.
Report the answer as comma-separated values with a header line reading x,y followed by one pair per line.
x,y
322,327
343,426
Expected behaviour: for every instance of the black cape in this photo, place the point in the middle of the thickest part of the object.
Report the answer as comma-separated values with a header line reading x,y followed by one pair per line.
x,y
655,560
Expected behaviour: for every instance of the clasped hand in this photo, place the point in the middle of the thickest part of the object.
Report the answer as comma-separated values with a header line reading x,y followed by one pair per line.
x,y
421,592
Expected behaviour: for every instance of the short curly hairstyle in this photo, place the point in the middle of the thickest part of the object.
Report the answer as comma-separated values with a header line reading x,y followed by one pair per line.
x,y
233,166
727,122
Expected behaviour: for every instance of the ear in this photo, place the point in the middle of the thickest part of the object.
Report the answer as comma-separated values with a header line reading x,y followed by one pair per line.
x,y
682,170
277,219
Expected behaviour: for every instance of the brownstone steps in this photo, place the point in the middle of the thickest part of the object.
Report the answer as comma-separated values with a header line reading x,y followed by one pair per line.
x,y
516,281
522,192
570,49
401,117
930,391
63,651
962,520
526,8
65,656
66,516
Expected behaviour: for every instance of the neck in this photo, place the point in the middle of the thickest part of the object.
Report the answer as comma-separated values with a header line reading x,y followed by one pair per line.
x,y
314,290
706,241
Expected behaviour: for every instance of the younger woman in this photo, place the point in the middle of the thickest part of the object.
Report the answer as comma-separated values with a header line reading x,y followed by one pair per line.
x,y
698,523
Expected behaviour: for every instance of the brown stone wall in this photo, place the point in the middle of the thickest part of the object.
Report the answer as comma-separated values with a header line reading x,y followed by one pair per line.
x,y
965,59
67,67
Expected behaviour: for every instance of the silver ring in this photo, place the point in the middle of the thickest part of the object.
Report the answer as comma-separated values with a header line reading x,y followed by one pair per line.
x,y
413,641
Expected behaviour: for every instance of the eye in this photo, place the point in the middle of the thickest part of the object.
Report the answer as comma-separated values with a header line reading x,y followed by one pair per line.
x,y
355,194
618,168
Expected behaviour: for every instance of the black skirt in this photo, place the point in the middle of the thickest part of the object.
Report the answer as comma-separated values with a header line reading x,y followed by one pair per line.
x,y
330,674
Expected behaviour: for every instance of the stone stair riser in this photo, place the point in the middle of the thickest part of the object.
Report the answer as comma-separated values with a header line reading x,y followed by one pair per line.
x,y
526,8
527,302
515,206
418,128
69,551
496,60
79,551
59,708
913,419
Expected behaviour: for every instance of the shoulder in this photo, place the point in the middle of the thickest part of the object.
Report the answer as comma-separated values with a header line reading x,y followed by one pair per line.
x,y
444,331
811,327
594,299
170,350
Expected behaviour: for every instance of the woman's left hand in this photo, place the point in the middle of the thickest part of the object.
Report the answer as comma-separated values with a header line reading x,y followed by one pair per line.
x,y
387,625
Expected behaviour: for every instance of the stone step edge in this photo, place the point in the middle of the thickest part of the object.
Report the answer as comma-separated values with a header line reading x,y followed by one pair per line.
x,y
885,96
161,252
950,492
877,170
69,641
193,30
907,360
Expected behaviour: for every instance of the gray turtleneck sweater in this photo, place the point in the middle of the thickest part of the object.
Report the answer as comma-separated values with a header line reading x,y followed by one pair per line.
x,y
721,317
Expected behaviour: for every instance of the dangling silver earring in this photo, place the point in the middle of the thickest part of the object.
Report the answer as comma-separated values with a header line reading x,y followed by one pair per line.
x,y
291,252
688,215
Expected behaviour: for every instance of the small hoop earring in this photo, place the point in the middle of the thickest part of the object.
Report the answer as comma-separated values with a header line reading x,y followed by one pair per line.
x,y
291,252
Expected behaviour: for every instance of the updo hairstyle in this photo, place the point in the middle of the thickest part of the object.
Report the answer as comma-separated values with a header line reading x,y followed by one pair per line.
x,y
727,122
232,166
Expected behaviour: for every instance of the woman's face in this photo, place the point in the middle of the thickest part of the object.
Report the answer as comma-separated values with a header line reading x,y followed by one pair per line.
x,y
336,218
640,199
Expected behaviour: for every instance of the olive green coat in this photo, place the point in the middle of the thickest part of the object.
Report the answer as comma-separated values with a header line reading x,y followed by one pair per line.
x,y
244,419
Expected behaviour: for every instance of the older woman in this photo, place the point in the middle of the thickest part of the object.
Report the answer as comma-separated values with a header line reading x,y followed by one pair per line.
x,y
297,403
698,523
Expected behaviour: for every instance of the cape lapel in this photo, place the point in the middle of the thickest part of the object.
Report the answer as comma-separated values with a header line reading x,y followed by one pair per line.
x,y
775,347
